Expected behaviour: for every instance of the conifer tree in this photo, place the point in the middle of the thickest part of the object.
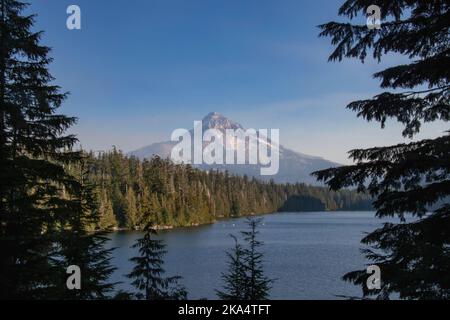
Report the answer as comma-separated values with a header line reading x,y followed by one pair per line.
x,y
107,219
148,272
79,245
131,213
257,284
178,195
234,287
33,149
245,279
413,177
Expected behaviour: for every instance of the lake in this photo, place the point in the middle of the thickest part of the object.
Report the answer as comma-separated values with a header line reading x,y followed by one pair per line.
x,y
307,253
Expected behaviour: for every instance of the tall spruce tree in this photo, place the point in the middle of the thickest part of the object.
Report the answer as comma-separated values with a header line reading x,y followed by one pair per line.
x,y
234,287
32,144
245,279
79,245
412,177
107,219
148,272
257,284
131,212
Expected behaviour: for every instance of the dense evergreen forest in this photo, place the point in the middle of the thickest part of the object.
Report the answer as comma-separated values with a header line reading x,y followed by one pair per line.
x,y
128,189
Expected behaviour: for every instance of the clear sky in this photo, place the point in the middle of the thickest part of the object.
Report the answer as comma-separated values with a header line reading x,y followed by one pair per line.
x,y
138,69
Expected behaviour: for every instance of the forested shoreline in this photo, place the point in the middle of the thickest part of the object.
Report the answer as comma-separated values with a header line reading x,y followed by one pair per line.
x,y
173,195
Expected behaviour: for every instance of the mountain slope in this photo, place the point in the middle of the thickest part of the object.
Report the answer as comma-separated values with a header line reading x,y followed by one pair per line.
x,y
294,166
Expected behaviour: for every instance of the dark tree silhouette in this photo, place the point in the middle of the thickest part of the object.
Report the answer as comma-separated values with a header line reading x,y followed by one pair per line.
x,y
148,272
80,245
257,284
410,177
234,287
245,279
33,151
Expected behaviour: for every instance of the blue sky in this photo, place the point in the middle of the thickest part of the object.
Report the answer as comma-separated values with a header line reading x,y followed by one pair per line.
x,y
139,69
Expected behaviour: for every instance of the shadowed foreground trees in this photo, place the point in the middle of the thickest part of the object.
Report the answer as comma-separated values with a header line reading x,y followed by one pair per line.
x,y
46,202
33,156
78,245
148,272
414,177
233,288
245,279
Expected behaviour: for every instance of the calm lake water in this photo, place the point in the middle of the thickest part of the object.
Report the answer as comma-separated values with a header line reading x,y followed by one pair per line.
x,y
307,253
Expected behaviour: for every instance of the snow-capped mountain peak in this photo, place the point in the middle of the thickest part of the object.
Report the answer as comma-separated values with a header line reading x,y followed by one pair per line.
x,y
215,120
294,166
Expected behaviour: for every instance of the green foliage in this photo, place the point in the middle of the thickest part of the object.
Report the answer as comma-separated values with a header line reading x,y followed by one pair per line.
x,y
107,219
407,178
245,279
178,195
234,279
78,245
257,284
47,206
34,155
148,272
131,210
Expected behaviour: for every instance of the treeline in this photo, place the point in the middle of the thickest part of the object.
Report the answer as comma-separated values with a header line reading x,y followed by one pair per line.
x,y
174,195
